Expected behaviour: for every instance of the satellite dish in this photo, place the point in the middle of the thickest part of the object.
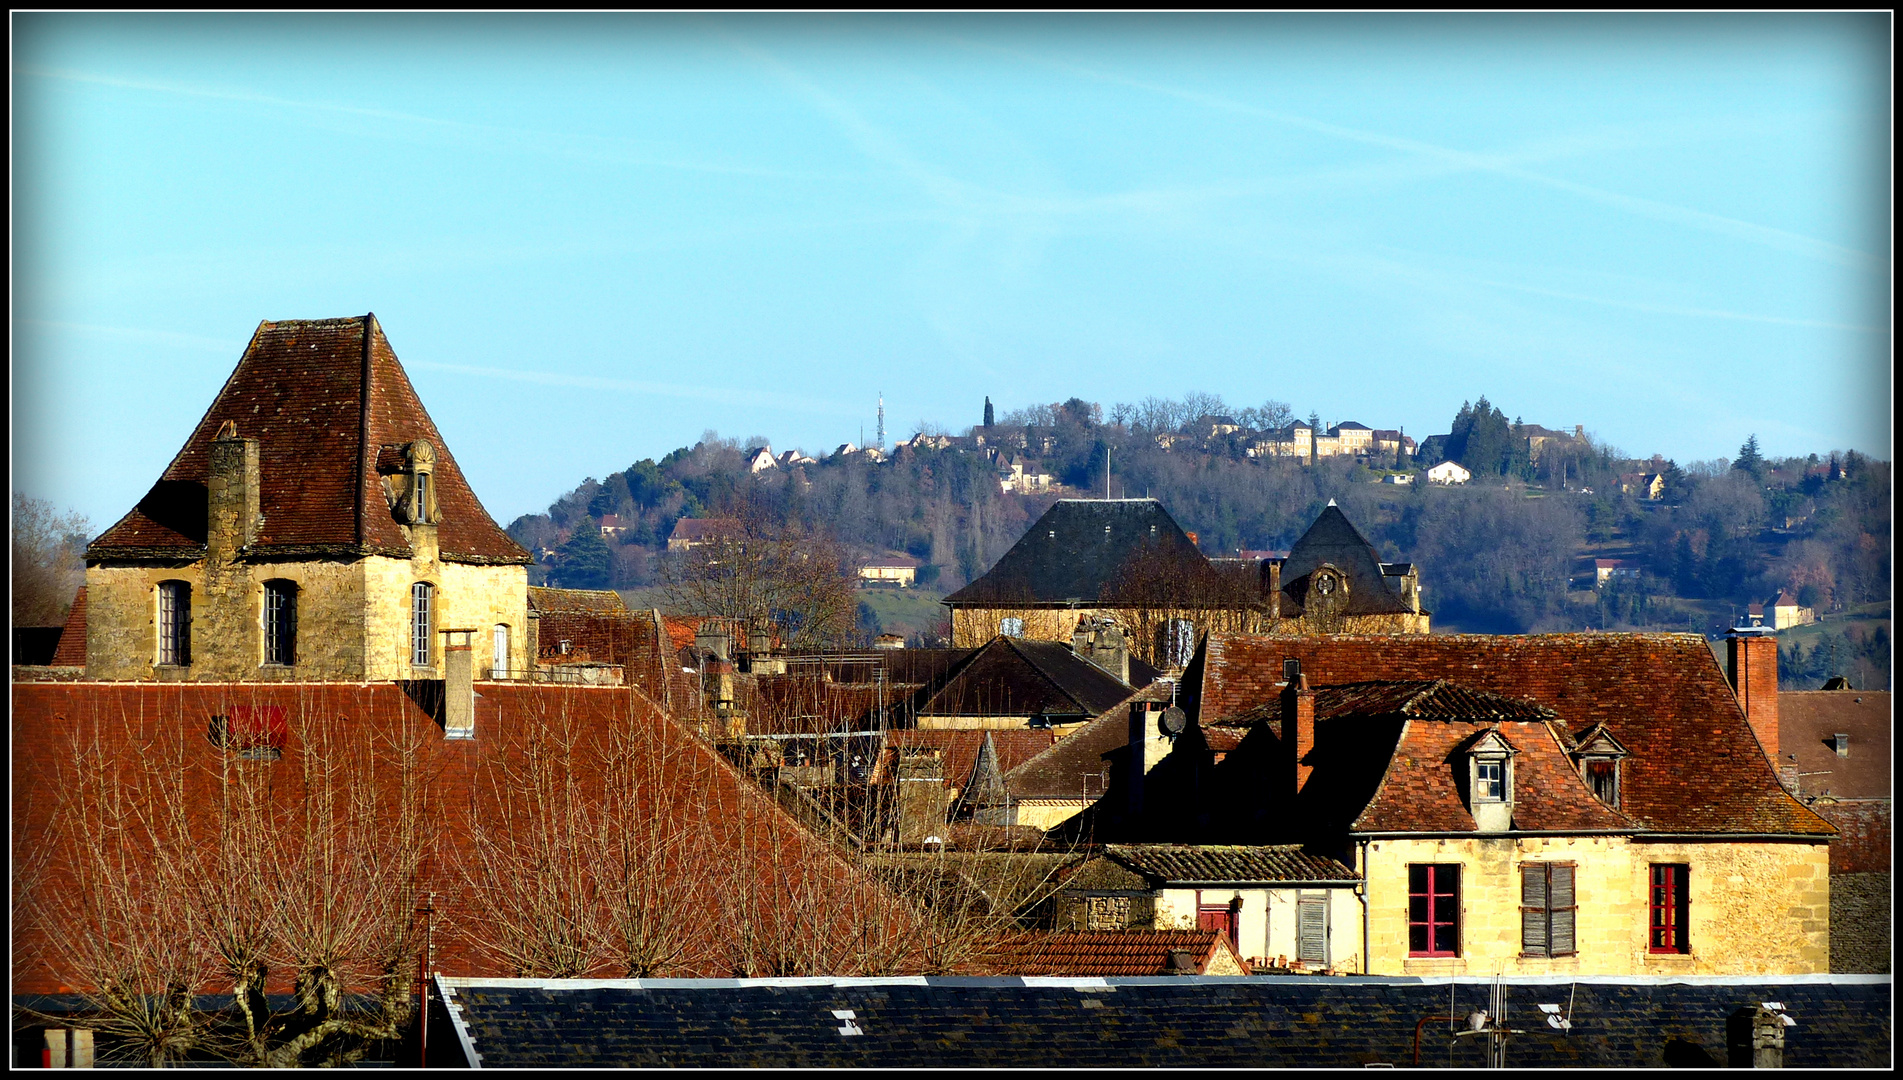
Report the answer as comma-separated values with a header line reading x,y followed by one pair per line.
x,y
1174,721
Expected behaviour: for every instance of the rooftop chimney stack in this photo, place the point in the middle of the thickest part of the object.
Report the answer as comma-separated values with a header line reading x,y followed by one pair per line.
x,y
1751,665
459,684
232,495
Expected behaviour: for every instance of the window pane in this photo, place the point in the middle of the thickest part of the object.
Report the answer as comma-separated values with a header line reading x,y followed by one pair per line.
x,y
1417,909
1446,937
1417,878
1417,939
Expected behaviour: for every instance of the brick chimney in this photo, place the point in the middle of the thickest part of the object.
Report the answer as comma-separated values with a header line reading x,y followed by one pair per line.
x,y
1298,724
1751,665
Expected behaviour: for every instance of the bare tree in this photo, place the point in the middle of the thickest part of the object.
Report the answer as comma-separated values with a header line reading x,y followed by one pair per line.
x,y
764,572
49,563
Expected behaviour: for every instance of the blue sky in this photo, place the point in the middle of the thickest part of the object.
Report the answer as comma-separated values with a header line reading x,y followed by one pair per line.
x,y
590,238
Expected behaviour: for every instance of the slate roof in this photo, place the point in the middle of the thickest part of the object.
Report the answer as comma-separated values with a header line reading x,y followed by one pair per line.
x,y
1843,1021
1695,766
1334,539
331,409
1073,554
1059,772
1108,953
1428,699
1014,677
1808,720
1227,864
961,748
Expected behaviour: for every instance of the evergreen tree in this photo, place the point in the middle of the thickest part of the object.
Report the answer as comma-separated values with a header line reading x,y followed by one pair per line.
x,y
1749,460
1684,567
988,413
585,562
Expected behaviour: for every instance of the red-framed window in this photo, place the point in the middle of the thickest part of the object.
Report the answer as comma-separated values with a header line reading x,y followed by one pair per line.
x,y
1225,917
1433,909
1671,908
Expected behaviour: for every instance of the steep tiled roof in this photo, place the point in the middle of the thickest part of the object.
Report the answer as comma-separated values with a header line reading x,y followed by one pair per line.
x,y
1074,554
1334,539
1809,721
72,638
1695,767
961,748
1109,953
330,407
1276,1022
1428,699
1420,792
1011,677
1059,772
1228,863
577,601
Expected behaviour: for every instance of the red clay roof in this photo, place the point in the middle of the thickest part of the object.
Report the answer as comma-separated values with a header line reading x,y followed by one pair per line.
x,y
961,746
330,407
1695,767
1107,953
72,638
1420,794
1808,723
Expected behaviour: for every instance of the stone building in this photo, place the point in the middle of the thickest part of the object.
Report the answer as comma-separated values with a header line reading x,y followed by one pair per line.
x,y
1125,564
1590,804
314,527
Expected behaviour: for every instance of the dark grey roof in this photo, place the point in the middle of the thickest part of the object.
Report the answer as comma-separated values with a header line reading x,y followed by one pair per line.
x,y
1059,772
1075,551
1012,677
1228,863
1334,539
1842,1021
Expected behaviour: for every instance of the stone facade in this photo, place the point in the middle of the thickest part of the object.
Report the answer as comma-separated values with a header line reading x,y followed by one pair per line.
x,y
1266,921
1756,908
353,619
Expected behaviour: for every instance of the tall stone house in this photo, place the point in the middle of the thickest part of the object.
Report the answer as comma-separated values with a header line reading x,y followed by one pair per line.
x,y
1125,565
314,527
1589,804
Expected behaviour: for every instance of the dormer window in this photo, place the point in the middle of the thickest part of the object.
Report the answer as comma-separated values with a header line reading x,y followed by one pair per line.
x,y
1599,755
419,508
1490,781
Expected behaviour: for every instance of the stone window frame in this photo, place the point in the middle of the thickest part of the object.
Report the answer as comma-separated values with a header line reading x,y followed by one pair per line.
x,y
423,618
278,621
173,622
421,504
1490,749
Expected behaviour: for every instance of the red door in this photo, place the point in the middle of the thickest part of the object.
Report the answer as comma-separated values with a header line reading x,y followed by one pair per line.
x,y
1223,917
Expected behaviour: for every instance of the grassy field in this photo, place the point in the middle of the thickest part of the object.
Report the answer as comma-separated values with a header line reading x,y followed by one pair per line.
x,y
906,611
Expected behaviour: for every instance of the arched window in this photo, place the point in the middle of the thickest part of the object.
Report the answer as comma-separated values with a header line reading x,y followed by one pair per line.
x,y
422,615
175,623
280,622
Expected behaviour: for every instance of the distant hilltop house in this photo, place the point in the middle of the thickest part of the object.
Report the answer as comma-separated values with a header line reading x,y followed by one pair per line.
x,y
612,526
1299,440
1538,437
1448,472
890,569
1604,570
1127,563
1013,475
690,533
1785,612
761,459
1645,485
790,458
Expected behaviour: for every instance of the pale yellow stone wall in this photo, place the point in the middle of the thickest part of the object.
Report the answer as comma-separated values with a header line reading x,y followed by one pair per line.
x,y
1756,908
352,619
1046,814
1267,921
972,627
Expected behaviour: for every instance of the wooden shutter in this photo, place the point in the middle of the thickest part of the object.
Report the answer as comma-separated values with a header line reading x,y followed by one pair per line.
x,y
1563,907
1534,940
1311,929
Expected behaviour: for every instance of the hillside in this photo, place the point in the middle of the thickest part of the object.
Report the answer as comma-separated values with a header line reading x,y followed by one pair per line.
x,y
1511,551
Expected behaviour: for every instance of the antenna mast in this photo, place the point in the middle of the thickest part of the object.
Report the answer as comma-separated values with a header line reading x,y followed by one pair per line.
x,y
882,420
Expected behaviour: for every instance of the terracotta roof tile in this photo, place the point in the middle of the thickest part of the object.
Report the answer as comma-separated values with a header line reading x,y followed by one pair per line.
x,y
72,639
326,399
1228,863
1695,766
1808,723
1106,953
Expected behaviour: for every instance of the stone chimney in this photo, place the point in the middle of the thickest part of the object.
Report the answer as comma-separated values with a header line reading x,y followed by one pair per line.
x,y
923,797
459,684
1273,570
232,494
1148,745
1751,665
1103,644
1298,724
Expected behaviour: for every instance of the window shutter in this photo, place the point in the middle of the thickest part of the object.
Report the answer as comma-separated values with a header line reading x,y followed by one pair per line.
x,y
1312,929
1533,896
1563,908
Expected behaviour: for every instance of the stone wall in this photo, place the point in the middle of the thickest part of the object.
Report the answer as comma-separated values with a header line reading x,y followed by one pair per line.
x,y
972,627
1266,922
1862,844
353,618
1756,908
1860,924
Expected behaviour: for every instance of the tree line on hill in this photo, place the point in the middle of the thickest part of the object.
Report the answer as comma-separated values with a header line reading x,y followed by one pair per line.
x,y
1500,554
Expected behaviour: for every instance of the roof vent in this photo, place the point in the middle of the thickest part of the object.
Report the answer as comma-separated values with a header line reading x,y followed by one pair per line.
x,y
1181,962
